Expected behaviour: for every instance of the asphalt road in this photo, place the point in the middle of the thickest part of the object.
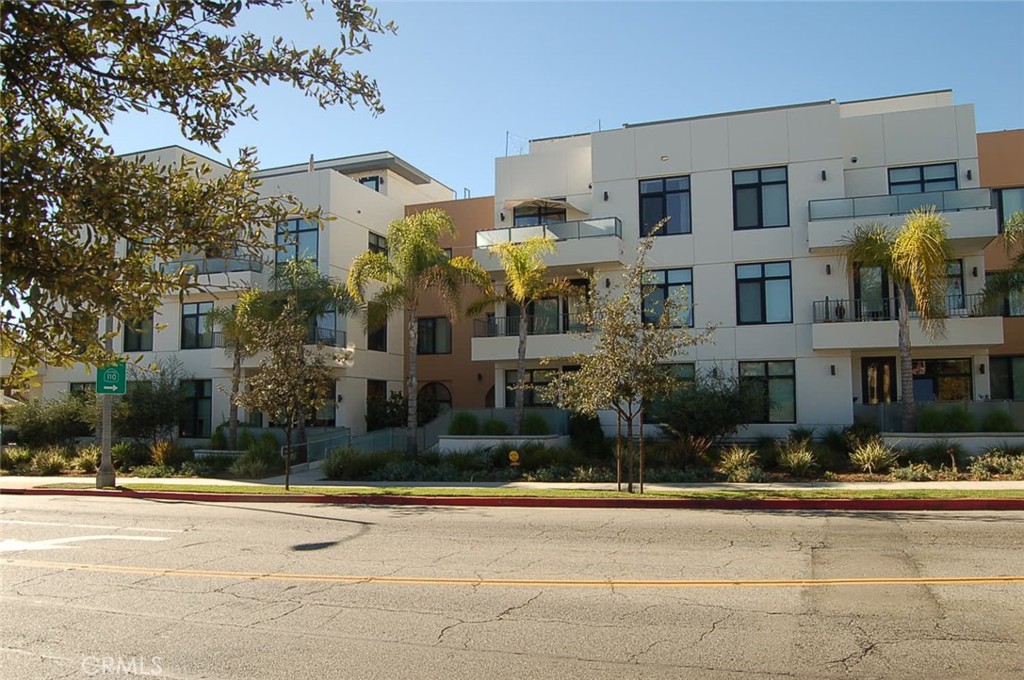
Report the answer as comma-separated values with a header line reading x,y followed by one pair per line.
x,y
103,587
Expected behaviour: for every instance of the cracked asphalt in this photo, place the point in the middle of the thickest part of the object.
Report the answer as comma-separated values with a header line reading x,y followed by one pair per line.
x,y
193,590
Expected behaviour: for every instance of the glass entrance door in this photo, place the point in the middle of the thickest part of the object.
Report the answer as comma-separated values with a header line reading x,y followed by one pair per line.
x,y
871,289
878,376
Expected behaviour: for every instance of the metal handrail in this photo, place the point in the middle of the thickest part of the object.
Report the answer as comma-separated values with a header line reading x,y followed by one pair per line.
x,y
887,309
559,231
214,265
508,326
900,204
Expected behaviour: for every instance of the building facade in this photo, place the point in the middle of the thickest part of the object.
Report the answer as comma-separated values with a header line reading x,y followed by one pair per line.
x,y
759,204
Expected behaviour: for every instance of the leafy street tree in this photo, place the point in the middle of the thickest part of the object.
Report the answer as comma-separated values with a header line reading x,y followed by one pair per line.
x,y
69,205
152,409
629,365
914,256
414,264
526,282
238,341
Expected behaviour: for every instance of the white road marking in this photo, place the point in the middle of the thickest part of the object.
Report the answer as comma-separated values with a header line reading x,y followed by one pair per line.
x,y
87,526
14,545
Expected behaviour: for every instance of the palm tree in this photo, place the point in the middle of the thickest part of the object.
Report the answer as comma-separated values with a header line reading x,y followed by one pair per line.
x,y
915,256
238,341
1001,285
525,282
414,264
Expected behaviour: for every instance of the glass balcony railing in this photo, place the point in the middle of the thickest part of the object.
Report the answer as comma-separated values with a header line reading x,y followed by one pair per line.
x,y
887,309
559,231
329,337
900,204
216,265
508,326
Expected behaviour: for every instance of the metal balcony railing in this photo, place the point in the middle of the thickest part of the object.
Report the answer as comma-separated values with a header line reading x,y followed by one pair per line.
x,y
330,337
508,326
559,231
218,265
900,204
887,309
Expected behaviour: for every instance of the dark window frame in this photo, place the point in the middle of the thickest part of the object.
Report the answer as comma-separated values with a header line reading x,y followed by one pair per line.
x,y
921,182
376,243
287,238
995,369
372,182
932,370
192,425
663,289
535,215
136,334
427,338
760,184
683,226
1001,204
762,281
766,379
203,333
377,339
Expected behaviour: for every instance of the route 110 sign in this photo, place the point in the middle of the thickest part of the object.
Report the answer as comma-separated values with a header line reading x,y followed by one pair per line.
x,y
111,379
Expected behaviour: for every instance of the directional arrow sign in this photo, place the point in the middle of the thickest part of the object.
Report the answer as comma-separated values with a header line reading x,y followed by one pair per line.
x,y
111,379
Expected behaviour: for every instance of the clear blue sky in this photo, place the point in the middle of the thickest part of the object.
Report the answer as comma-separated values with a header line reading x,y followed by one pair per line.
x,y
457,76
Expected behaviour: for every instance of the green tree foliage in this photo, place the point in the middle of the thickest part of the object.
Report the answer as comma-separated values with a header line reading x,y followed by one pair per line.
x,y
629,365
1000,285
414,264
70,206
239,343
153,408
915,256
47,422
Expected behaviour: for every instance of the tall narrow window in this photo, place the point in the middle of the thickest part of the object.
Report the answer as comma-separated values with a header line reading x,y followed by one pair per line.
x,y
434,336
138,335
297,240
1009,201
196,330
661,285
377,338
772,390
198,408
665,197
764,293
917,179
760,198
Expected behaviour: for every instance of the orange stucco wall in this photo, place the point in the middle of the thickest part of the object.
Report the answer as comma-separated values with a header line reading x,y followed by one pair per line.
x,y
1001,165
468,381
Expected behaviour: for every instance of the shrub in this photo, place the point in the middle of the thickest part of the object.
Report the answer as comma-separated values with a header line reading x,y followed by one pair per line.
x,y
257,464
873,456
747,474
49,422
211,465
949,419
535,425
859,434
153,408
245,439
16,459
737,457
797,458
936,454
495,427
149,471
349,464
87,459
915,472
472,461
586,436
219,438
52,460
703,413
835,440
998,421
464,424
537,457
167,453
768,451
127,455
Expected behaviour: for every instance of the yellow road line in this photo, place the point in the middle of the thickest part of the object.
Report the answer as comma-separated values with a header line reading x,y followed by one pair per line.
x,y
522,582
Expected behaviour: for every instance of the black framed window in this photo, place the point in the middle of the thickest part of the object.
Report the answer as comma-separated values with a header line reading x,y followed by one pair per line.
x,y
378,244
196,329
772,387
371,182
1008,202
917,179
656,410
198,408
760,198
954,284
327,414
438,393
434,336
942,380
376,389
138,335
660,285
764,293
532,215
1007,377
665,197
377,338
536,377
1009,305
297,240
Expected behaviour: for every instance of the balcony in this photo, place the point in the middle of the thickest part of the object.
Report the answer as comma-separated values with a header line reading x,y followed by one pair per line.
x,y
872,324
497,338
579,243
226,272
970,212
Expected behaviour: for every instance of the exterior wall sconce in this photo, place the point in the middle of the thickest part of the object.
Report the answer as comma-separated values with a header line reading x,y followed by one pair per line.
x,y
607,283
340,398
664,158
606,195
502,216
832,369
970,174
824,176
828,269
981,369
974,272
479,377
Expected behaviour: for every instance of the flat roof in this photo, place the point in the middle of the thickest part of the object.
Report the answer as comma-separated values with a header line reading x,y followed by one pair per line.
x,y
379,160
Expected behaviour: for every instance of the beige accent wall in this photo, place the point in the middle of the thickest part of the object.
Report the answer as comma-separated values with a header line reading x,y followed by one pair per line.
x,y
468,381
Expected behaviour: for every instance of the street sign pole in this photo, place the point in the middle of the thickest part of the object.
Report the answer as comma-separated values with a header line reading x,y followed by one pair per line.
x,y
105,475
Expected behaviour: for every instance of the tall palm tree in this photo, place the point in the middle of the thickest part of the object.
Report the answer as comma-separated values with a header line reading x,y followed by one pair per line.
x,y
413,265
915,256
1002,284
526,282
238,341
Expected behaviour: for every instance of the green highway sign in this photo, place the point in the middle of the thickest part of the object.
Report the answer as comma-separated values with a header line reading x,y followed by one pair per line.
x,y
111,379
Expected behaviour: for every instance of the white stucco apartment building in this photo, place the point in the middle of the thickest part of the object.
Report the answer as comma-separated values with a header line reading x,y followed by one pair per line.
x,y
362,194
760,202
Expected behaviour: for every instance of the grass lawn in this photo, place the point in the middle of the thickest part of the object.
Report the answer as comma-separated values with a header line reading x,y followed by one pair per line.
x,y
257,490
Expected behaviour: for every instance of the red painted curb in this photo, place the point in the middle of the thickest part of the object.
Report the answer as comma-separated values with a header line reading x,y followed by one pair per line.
x,y
857,504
